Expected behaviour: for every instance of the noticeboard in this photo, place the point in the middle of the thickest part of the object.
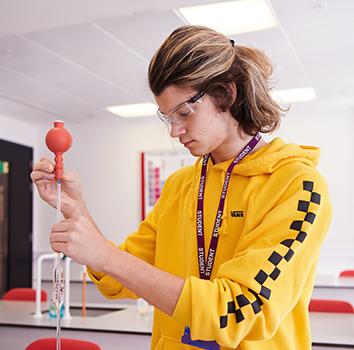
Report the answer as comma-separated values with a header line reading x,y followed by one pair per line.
x,y
156,167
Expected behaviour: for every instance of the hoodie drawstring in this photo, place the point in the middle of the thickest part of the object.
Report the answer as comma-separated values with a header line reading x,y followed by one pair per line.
x,y
193,190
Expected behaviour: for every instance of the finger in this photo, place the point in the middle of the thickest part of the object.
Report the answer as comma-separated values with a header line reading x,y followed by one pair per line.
x,y
45,160
59,247
40,175
61,237
70,176
43,170
58,239
63,230
44,164
60,228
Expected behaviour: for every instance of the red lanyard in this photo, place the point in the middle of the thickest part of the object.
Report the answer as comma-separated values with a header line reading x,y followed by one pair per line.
x,y
205,267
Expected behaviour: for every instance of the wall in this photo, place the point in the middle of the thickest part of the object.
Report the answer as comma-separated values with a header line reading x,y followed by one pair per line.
x,y
106,155
16,131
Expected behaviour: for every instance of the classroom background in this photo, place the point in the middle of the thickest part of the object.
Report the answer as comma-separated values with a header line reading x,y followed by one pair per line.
x,y
70,60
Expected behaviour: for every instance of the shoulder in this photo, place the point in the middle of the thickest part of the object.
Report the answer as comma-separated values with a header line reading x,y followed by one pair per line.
x,y
299,171
300,183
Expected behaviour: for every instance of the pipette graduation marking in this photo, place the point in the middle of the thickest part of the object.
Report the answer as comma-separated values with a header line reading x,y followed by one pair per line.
x,y
58,141
58,276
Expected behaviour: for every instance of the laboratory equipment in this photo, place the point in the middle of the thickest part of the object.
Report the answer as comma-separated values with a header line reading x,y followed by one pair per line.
x,y
58,140
38,313
84,292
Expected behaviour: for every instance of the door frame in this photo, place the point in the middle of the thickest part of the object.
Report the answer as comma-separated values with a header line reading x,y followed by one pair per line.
x,y
20,213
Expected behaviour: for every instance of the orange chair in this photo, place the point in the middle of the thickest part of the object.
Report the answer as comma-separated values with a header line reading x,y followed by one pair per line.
x,y
66,344
347,273
324,305
27,294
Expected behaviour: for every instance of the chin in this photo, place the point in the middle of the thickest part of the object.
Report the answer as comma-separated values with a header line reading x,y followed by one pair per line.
x,y
196,153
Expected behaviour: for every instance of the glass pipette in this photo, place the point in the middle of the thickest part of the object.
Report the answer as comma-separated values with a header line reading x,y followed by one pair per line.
x,y
58,275
58,140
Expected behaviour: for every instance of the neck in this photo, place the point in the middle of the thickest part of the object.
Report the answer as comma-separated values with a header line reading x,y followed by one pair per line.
x,y
232,150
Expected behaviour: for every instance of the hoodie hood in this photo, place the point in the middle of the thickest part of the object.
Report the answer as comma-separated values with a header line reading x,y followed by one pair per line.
x,y
265,161
273,156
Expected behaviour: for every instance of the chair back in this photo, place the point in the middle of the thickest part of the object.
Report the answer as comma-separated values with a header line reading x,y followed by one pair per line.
x,y
347,273
66,344
27,294
324,305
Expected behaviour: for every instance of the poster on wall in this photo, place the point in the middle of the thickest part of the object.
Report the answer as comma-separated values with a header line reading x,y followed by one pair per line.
x,y
156,167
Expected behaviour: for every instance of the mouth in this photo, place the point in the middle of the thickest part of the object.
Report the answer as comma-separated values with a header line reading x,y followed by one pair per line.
x,y
187,144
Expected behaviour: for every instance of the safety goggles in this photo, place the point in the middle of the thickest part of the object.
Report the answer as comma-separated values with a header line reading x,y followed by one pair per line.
x,y
181,115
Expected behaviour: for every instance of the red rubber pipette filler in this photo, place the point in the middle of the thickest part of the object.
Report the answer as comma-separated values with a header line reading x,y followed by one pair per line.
x,y
58,140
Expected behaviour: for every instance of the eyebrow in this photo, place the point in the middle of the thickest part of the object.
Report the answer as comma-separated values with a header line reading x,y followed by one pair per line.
x,y
175,107
191,100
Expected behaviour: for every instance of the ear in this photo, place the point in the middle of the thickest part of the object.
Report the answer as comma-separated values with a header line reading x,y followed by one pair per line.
x,y
234,91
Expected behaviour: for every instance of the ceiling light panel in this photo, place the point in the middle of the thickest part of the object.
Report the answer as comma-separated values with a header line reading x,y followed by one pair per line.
x,y
294,95
134,110
232,17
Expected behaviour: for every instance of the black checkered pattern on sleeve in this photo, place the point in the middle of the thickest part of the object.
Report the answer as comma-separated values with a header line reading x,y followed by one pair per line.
x,y
254,299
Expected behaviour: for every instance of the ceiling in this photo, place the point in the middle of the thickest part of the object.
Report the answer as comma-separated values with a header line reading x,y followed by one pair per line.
x,y
70,59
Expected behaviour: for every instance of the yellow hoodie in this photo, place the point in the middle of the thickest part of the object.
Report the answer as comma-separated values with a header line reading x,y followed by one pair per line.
x,y
276,215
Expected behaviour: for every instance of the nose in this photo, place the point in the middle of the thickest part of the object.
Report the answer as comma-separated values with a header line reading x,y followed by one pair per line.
x,y
177,130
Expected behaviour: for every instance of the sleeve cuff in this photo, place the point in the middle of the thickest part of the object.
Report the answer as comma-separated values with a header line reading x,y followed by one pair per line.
x,y
182,313
94,275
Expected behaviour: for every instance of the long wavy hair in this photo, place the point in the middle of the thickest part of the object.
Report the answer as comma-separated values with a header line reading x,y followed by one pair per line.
x,y
203,59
